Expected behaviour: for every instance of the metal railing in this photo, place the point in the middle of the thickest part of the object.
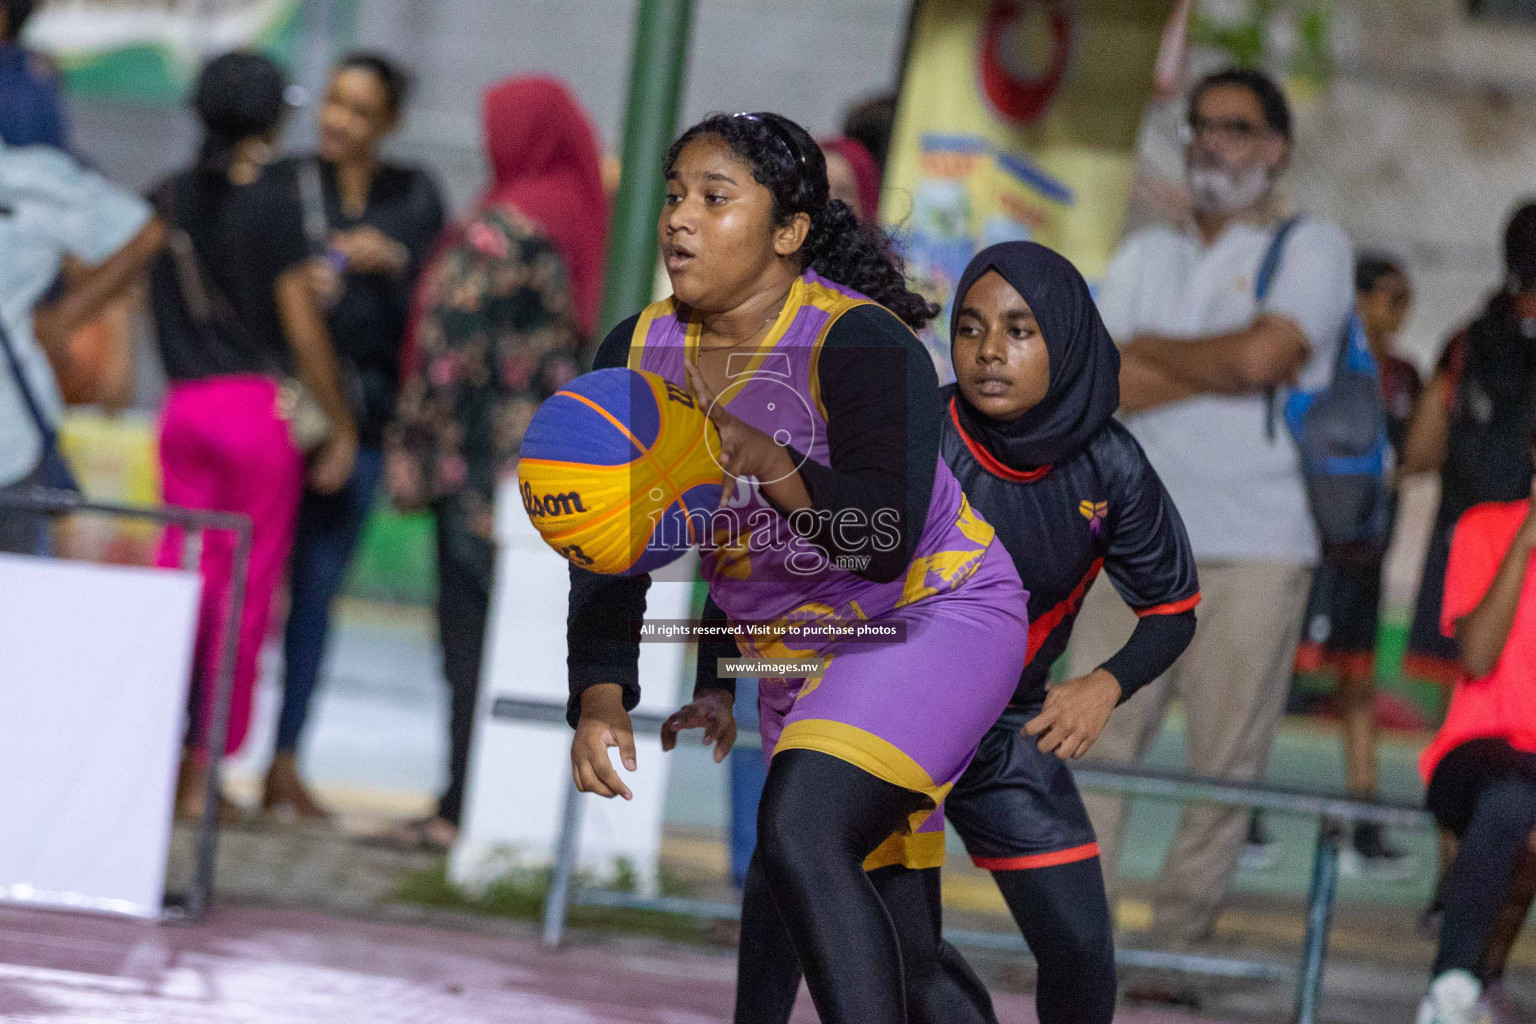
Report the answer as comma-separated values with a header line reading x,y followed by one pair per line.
x,y
52,504
1334,813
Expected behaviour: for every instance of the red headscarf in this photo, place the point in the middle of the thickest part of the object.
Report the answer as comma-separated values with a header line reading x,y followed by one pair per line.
x,y
544,162
865,171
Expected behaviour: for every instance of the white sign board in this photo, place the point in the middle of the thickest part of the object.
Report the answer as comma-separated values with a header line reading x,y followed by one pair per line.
x,y
519,771
94,663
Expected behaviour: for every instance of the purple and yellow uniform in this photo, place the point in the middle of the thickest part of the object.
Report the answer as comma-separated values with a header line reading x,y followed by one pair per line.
x,y
910,713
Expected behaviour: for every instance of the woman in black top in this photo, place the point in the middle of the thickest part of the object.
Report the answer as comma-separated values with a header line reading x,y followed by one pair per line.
x,y
370,225
234,314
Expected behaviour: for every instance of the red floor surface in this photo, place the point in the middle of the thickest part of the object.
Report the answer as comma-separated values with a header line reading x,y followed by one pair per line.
x,y
254,966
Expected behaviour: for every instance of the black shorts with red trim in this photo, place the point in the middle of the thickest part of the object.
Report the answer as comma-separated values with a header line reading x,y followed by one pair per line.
x,y
1017,807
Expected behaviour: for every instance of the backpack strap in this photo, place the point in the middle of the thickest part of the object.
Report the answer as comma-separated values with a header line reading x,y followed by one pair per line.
x,y
45,429
1261,285
317,227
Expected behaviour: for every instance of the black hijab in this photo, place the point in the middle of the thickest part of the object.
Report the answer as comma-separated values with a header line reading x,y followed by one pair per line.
x,y
1084,391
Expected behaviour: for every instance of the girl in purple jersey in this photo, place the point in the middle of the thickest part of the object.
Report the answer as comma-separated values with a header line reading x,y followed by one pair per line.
x,y
790,324
1029,432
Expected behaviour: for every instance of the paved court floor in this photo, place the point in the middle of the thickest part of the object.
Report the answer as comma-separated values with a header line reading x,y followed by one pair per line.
x,y
257,966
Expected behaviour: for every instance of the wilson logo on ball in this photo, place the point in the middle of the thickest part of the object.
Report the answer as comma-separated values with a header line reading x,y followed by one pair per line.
x,y
551,504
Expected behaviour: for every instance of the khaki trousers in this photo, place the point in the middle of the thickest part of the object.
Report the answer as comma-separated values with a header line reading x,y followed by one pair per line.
x,y
1232,682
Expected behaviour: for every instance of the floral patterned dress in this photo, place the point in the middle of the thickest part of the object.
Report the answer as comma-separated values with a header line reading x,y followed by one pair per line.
x,y
496,338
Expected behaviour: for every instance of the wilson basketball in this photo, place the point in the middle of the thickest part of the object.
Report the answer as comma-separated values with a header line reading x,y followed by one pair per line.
x,y
611,467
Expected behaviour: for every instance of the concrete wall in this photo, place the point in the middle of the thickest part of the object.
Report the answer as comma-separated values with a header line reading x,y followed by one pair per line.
x,y
809,59
1420,145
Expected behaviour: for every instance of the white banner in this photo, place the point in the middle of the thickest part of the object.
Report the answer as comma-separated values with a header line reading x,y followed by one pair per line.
x,y
94,663
520,771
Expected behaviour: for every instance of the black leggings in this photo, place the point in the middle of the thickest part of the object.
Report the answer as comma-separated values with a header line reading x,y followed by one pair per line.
x,y
1485,792
939,985
1061,910
1064,915
819,818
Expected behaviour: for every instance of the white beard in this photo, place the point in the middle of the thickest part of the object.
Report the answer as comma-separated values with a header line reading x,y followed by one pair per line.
x,y
1220,191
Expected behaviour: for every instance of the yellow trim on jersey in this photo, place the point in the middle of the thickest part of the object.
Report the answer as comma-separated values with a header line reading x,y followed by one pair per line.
x,y
916,852
863,749
648,316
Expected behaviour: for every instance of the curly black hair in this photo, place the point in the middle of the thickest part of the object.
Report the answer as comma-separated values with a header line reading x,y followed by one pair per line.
x,y
785,160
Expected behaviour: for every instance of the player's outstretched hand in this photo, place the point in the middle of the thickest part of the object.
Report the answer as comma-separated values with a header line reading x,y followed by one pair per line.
x,y
1075,712
711,710
604,723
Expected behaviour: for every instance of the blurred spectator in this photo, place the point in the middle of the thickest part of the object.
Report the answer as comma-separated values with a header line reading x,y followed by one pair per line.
x,y
870,123
31,112
505,309
1481,767
1201,358
53,210
1346,595
373,223
237,323
853,176
1471,426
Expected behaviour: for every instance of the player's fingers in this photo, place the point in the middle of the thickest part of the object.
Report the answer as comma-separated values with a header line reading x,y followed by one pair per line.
x,y
669,731
701,390
1041,722
1066,743
727,741
590,783
1049,741
609,778
625,740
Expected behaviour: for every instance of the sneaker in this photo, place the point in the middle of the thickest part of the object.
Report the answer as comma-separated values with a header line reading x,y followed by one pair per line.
x,y
1371,856
1260,851
1454,998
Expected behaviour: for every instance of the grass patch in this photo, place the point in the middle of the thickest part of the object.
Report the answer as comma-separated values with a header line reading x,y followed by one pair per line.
x,y
520,895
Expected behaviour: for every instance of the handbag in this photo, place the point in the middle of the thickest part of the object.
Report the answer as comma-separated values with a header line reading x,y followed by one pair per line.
x,y
52,472
214,317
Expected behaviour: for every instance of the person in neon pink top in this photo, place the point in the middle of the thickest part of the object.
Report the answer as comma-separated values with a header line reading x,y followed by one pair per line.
x,y
1481,766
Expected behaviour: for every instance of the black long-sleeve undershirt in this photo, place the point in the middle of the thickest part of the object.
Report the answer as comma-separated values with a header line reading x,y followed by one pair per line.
x,y
880,392
1154,645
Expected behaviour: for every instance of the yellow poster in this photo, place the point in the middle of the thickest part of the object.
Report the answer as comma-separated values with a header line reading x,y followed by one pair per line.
x,y
1018,119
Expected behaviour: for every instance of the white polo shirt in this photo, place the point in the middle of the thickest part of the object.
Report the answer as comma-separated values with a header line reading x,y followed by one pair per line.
x,y
50,207
1240,493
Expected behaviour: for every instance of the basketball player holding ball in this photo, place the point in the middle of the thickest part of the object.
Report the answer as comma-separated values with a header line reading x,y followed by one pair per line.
x,y
790,323
1028,430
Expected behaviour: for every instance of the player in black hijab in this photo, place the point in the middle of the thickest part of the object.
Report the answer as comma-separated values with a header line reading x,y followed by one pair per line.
x,y
1029,430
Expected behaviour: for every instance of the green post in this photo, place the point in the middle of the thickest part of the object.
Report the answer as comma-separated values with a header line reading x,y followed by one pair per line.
x,y
660,57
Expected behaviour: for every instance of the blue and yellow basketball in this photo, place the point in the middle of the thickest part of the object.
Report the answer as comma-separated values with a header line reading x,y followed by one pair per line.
x,y
611,466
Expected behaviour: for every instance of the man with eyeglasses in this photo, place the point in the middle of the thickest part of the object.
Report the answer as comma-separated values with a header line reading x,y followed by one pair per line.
x,y
1202,354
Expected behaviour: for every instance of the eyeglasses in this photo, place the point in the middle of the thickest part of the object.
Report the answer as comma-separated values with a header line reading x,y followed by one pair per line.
x,y
1221,129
